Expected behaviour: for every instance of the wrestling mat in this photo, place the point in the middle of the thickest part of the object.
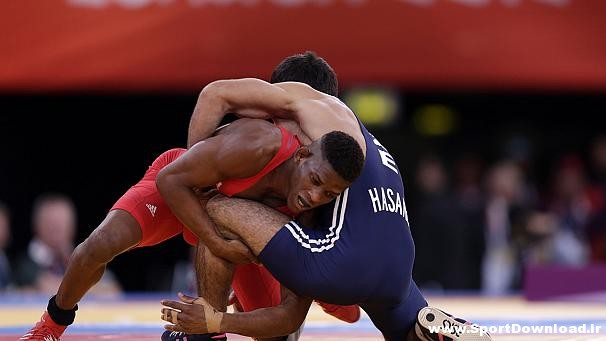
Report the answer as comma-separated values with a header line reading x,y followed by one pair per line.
x,y
137,317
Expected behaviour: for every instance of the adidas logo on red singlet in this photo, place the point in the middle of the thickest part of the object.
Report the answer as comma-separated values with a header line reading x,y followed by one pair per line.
x,y
152,209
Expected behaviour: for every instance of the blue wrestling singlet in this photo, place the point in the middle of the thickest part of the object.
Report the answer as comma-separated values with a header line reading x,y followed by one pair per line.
x,y
361,251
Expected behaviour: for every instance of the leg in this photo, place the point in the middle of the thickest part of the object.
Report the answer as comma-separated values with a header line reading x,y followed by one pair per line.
x,y
254,223
119,232
139,218
116,234
214,276
270,236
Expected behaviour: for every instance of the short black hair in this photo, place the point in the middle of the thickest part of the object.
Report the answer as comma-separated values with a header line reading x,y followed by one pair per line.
x,y
344,154
307,68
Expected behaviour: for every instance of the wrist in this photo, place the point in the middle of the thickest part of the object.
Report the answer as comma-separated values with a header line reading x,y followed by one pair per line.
x,y
213,317
213,321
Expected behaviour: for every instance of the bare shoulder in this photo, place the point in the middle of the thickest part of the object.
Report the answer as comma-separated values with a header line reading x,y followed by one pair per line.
x,y
337,106
257,136
257,129
320,116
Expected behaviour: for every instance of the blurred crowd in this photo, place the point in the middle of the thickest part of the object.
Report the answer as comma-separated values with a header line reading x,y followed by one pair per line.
x,y
40,267
477,226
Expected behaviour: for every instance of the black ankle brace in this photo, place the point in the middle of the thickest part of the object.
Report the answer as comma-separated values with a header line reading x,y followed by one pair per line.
x,y
60,316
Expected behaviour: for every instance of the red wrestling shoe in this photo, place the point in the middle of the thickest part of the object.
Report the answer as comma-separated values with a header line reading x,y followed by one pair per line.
x,y
347,313
45,330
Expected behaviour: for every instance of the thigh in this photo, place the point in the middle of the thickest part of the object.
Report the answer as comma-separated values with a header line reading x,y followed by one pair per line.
x,y
254,223
304,265
154,218
117,233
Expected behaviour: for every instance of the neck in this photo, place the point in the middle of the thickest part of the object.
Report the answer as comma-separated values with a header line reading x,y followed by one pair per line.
x,y
278,179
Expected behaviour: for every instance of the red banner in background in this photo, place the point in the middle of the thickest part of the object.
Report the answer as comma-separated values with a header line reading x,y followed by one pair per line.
x,y
180,45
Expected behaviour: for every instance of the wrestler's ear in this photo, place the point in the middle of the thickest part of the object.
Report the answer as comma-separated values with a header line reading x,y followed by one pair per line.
x,y
302,153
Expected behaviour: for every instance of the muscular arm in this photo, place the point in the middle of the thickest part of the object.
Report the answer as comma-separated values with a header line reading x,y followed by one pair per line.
x,y
276,321
317,113
269,322
261,100
209,162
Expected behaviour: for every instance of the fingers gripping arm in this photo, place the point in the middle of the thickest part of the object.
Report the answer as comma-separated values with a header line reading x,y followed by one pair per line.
x,y
195,315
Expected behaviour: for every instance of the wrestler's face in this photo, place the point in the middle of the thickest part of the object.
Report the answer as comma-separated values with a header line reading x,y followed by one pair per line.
x,y
313,182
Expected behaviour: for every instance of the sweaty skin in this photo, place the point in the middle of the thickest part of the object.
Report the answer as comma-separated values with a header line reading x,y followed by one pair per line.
x,y
225,156
317,114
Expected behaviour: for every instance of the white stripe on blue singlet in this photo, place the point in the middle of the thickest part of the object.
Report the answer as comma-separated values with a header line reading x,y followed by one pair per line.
x,y
338,217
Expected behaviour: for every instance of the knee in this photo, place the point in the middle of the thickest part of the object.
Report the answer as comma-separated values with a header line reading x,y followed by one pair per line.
x,y
226,233
93,251
215,205
102,246
215,208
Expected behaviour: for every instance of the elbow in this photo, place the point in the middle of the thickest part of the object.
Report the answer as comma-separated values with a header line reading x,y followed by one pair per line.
x,y
215,96
293,322
213,90
292,327
287,326
216,208
207,90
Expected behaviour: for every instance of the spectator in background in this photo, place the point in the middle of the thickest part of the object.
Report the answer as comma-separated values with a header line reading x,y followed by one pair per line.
x,y
571,200
598,160
42,267
572,208
596,229
5,233
470,198
54,225
437,223
507,207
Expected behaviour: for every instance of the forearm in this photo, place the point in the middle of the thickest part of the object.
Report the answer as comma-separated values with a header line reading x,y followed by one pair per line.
x,y
261,323
281,320
186,206
249,97
208,113
197,316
